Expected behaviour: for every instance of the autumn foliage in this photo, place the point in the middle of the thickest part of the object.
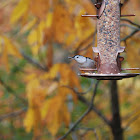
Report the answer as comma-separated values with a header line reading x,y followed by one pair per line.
x,y
36,77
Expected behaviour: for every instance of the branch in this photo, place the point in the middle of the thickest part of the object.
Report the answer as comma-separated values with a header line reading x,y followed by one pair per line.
x,y
82,99
130,114
90,87
94,92
85,101
82,117
11,91
82,43
127,20
131,121
93,42
130,26
75,124
89,129
130,35
84,92
13,114
32,61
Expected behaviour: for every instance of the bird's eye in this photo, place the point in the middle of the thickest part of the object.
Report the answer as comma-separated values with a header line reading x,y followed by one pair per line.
x,y
77,57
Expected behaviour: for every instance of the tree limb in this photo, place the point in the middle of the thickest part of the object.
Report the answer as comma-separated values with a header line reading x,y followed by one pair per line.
x,y
13,114
82,99
131,121
130,35
82,43
130,26
127,20
92,43
130,114
88,129
33,61
11,91
75,124
87,103
83,116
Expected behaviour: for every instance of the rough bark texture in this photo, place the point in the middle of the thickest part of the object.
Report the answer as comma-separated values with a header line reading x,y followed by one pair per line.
x,y
116,128
108,37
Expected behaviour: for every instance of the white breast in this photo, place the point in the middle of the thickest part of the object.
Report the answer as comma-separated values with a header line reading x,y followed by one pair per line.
x,y
88,64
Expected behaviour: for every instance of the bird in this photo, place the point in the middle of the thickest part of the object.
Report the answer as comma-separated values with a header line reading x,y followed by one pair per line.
x,y
84,62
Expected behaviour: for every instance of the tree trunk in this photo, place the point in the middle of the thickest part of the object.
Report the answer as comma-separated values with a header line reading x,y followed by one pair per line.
x,y
116,128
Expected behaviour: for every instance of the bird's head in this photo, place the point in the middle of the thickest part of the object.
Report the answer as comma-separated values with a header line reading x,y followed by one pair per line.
x,y
78,58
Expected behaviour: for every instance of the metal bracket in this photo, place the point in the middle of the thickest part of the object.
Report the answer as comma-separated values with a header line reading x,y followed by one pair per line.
x,y
125,15
101,9
128,15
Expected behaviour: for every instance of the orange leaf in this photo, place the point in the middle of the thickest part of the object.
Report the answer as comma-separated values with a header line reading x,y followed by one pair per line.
x,y
39,8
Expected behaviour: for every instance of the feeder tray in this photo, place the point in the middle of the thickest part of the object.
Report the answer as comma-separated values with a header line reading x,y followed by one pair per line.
x,y
111,76
118,76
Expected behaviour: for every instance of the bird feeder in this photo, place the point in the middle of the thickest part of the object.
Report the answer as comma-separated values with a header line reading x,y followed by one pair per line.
x,y
108,43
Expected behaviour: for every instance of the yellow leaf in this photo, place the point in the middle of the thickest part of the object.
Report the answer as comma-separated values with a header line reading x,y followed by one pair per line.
x,y
133,52
66,115
53,72
62,17
49,19
8,48
55,116
19,10
40,32
36,93
32,119
29,120
11,48
45,108
32,37
35,48
30,77
84,27
35,38
65,91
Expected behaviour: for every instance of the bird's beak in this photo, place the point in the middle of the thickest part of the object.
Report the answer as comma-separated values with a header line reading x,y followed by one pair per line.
x,y
70,57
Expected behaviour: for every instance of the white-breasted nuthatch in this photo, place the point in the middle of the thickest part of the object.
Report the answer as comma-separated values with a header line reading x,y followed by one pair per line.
x,y
84,62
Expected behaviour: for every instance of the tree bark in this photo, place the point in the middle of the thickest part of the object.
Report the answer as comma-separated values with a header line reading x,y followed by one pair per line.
x,y
116,127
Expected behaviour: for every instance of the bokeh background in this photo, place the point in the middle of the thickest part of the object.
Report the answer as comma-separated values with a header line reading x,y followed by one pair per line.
x,y
38,82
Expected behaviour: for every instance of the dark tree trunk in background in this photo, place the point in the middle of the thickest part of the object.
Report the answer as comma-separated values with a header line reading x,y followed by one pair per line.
x,y
116,128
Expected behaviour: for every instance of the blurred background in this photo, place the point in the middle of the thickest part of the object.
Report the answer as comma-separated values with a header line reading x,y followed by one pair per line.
x,y
39,85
